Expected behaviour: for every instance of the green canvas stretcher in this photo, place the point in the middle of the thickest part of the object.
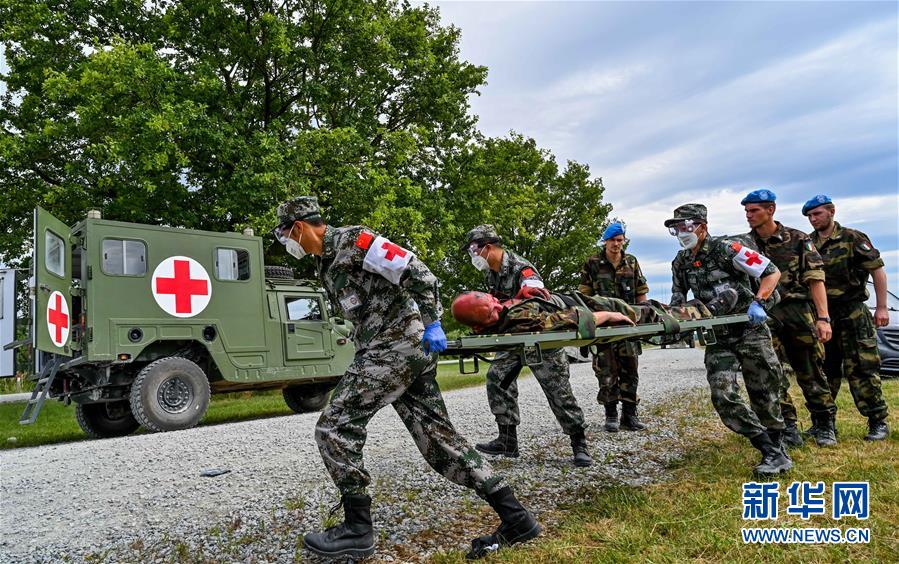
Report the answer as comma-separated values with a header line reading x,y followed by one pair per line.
x,y
531,345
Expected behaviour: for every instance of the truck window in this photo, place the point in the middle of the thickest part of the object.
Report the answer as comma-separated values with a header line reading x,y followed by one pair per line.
x,y
232,264
55,258
303,309
124,257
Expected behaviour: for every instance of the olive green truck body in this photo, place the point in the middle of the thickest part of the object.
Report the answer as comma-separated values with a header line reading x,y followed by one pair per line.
x,y
126,316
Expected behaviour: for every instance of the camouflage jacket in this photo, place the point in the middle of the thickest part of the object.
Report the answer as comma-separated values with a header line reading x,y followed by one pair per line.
x,y
537,315
514,272
599,277
385,290
848,257
712,271
795,255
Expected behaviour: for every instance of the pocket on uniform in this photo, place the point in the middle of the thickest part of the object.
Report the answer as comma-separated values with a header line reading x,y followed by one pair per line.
x,y
864,328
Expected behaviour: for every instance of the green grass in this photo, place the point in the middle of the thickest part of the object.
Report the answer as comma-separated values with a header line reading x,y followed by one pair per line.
x,y
697,515
56,422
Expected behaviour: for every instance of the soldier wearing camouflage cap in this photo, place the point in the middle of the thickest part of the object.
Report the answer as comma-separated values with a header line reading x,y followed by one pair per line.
x,y
612,273
849,258
508,275
800,323
719,272
392,299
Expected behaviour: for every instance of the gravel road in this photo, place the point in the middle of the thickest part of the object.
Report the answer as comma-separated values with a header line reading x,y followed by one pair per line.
x,y
141,498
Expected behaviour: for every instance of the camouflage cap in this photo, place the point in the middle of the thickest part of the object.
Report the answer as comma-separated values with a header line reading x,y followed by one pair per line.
x,y
300,208
696,212
485,233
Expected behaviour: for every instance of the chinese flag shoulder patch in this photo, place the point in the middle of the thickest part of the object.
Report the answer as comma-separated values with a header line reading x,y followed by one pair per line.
x,y
736,246
527,272
364,240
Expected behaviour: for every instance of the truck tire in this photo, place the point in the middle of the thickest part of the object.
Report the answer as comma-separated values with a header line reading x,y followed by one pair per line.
x,y
282,272
306,399
170,394
106,420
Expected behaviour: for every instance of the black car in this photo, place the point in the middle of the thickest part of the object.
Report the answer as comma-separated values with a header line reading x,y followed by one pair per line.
x,y
888,336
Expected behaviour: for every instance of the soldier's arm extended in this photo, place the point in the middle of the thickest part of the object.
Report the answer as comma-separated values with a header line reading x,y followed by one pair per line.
x,y
586,284
678,286
425,289
641,289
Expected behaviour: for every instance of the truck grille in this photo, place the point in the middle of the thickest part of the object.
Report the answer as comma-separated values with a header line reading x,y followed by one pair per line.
x,y
891,336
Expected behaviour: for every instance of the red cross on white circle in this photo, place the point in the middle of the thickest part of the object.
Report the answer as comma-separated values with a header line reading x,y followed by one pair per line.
x,y
58,319
181,286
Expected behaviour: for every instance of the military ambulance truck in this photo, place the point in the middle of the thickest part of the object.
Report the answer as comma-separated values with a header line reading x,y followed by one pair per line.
x,y
138,324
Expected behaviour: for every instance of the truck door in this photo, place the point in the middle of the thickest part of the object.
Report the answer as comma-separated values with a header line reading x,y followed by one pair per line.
x,y
53,323
307,334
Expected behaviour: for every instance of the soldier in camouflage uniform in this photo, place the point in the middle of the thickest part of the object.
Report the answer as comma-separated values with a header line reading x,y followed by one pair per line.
x,y
799,324
718,270
615,274
849,257
392,299
508,275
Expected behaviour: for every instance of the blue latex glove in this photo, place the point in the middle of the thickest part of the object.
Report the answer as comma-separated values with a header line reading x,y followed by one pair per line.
x,y
757,314
434,339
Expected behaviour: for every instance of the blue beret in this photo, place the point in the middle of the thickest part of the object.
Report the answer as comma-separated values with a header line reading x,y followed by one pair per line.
x,y
816,201
612,231
760,196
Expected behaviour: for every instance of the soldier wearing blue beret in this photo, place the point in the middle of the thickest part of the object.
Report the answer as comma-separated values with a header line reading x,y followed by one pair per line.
x,y
800,323
849,258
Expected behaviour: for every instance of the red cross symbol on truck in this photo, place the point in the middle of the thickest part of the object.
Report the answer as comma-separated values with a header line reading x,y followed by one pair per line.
x,y
58,318
182,286
393,250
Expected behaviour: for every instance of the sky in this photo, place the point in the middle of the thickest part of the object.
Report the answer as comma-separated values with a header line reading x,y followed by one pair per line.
x,y
677,102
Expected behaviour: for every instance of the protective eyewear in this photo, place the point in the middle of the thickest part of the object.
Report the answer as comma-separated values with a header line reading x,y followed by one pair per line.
x,y
282,232
475,249
688,226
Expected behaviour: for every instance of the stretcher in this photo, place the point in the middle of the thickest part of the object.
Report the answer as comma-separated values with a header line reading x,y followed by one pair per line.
x,y
530,346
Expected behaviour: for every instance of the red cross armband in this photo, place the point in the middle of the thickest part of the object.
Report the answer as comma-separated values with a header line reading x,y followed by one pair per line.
x,y
530,278
385,258
749,261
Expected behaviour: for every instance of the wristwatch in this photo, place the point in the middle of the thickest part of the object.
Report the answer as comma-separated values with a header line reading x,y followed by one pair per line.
x,y
827,319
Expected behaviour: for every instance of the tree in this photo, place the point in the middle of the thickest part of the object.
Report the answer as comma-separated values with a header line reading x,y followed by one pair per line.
x,y
550,216
207,113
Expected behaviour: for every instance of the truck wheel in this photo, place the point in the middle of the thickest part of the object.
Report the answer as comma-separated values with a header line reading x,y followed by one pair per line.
x,y
105,420
283,272
170,394
306,399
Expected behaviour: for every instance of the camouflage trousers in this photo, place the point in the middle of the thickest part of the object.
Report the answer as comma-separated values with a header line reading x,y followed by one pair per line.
x,y
553,377
852,354
615,367
400,375
792,325
750,349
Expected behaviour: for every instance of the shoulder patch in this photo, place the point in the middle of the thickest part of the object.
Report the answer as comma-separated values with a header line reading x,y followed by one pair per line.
x,y
528,272
865,246
809,246
364,240
736,246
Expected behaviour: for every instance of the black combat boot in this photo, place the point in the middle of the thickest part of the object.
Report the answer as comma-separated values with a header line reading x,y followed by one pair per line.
x,y
778,442
629,419
791,435
878,429
517,524
579,446
611,417
823,429
506,444
774,461
354,537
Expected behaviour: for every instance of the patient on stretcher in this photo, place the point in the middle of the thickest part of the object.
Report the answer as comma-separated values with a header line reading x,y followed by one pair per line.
x,y
487,315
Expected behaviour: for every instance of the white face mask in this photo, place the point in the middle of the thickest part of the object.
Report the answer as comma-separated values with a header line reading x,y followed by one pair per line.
x,y
480,263
295,249
687,240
